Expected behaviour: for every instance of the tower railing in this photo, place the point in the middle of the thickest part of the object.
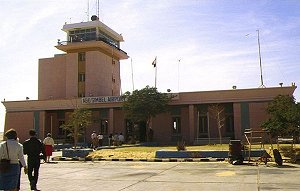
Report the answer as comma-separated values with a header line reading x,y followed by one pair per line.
x,y
64,43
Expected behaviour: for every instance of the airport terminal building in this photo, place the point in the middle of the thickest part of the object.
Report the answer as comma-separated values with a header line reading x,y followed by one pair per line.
x,y
87,75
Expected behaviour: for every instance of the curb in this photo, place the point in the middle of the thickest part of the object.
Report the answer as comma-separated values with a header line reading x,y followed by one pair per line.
x,y
141,160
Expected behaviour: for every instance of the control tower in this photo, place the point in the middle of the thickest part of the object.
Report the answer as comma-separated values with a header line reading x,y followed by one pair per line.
x,y
89,67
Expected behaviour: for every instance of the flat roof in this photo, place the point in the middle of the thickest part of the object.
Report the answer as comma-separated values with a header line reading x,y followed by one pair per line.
x,y
96,24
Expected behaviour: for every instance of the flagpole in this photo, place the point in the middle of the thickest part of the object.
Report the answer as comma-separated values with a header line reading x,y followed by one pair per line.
x,y
178,70
132,76
155,66
155,74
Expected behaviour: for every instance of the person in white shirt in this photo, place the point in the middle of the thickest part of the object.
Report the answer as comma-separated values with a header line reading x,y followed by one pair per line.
x,y
100,138
116,139
12,150
121,139
94,140
49,145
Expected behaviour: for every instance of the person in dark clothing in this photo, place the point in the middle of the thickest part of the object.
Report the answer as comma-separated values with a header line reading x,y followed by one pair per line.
x,y
33,148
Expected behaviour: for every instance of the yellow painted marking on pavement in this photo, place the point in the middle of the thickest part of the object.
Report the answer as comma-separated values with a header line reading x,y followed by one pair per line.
x,y
138,166
225,173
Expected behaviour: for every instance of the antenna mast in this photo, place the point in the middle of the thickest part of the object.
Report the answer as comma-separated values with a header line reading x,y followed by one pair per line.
x,y
88,10
98,5
261,76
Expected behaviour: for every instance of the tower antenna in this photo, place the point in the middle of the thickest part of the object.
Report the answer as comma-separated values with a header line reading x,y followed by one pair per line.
x,y
261,75
98,5
88,10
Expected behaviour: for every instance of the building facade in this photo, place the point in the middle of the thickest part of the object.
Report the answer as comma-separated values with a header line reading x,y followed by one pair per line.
x,y
87,75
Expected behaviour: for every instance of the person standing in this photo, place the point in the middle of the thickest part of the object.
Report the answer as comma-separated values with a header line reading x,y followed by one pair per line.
x,y
33,147
21,166
94,140
110,137
11,149
49,145
121,139
116,139
100,138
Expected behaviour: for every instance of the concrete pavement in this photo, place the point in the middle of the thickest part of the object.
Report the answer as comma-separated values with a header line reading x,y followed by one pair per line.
x,y
164,176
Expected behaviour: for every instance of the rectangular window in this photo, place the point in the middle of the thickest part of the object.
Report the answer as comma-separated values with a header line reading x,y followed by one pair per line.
x,y
81,94
61,114
229,124
81,77
203,125
61,131
176,125
81,56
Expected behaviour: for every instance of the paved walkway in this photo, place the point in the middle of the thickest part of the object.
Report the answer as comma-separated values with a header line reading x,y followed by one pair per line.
x,y
164,176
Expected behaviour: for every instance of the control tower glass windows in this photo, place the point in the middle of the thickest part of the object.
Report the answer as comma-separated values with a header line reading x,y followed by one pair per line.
x,y
82,35
104,37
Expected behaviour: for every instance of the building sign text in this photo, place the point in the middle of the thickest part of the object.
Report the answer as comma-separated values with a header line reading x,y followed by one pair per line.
x,y
106,99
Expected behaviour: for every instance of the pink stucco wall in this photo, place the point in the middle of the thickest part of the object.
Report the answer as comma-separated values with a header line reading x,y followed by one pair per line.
x,y
257,114
237,120
98,74
21,121
52,78
119,121
72,75
162,128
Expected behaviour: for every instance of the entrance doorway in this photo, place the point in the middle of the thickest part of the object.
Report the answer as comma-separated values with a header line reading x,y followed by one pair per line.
x,y
136,132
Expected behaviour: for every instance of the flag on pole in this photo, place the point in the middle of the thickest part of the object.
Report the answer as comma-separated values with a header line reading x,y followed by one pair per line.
x,y
154,62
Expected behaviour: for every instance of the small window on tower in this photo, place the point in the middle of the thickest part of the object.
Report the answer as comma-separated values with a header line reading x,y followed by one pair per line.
x,y
81,56
81,77
81,94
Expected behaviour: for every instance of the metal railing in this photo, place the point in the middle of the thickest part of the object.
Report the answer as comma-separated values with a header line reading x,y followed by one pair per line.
x,y
256,137
64,43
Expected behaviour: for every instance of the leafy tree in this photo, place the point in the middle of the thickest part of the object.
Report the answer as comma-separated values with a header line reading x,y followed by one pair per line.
x,y
142,105
284,116
77,121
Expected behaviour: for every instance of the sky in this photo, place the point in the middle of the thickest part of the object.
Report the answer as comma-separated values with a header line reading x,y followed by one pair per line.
x,y
200,45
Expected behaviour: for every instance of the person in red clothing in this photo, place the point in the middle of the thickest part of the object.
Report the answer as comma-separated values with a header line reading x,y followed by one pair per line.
x,y
49,144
